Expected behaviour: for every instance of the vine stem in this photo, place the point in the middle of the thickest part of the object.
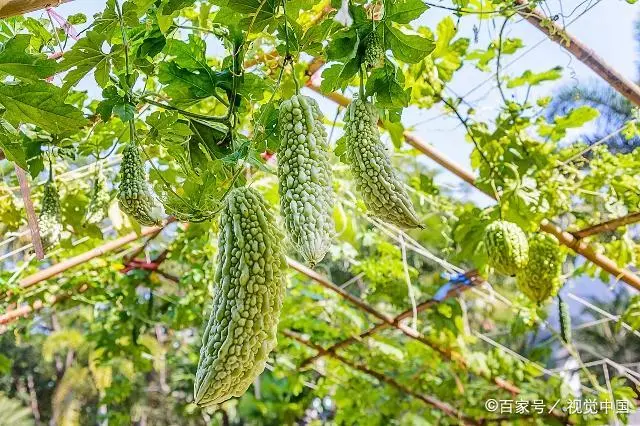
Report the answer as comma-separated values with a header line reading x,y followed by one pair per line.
x,y
287,56
125,43
470,133
224,120
498,65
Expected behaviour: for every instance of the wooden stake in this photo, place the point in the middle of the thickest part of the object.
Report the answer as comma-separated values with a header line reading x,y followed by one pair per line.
x,y
32,220
10,8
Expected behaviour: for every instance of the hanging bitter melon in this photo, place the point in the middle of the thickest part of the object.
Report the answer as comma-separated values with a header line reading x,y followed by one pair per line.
x,y
134,195
50,219
377,182
373,50
507,247
304,171
248,293
540,278
100,199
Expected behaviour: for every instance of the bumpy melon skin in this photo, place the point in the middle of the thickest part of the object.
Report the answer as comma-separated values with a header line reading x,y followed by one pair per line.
x,y
373,51
134,196
507,247
50,219
376,180
304,171
540,278
249,289
100,199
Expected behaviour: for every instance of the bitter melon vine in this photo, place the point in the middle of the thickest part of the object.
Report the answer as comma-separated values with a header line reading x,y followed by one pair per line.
x,y
249,289
541,276
96,210
50,219
306,193
377,182
507,247
134,196
373,51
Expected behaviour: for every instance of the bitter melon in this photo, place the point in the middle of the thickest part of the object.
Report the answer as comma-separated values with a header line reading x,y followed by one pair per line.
x,y
100,199
249,289
377,182
540,278
50,219
306,193
565,320
507,247
373,51
134,196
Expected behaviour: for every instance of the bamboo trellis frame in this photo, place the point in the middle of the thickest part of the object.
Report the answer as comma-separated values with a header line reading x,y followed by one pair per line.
x,y
429,400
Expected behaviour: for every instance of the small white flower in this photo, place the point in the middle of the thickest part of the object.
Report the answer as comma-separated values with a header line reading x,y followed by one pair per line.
x,y
343,15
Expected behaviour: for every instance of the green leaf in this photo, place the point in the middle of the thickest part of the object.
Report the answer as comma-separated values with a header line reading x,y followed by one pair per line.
x,y
342,46
409,48
258,12
533,79
338,76
576,118
16,62
107,22
396,131
445,32
387,83
213,136
11,144
266,135
43,105
85,56
404,11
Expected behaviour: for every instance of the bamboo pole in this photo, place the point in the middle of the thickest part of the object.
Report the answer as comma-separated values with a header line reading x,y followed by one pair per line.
x,y
10,8
382,378
563,237
582,52
26,310
454,292
32,220
609,225
58,268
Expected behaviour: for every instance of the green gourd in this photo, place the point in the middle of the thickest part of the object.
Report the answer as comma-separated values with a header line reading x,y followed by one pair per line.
x,y
249,287
134,195
540,278
376,180
507,247
50,219
304,171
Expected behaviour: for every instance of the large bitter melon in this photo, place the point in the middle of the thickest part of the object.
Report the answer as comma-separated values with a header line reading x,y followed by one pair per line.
x,y
50,219
248,293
